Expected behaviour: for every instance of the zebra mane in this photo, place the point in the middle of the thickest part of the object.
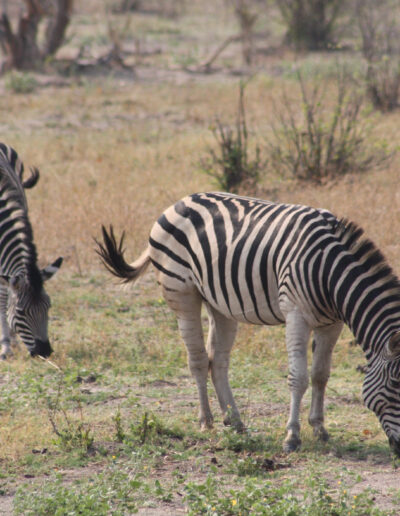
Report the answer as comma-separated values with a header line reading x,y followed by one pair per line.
x,y
365,251
13,200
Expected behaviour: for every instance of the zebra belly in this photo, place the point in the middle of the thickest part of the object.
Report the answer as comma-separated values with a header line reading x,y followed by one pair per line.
x,y
249,314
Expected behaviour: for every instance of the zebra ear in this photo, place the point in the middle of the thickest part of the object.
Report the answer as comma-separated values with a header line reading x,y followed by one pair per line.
x,y
50,270
394,345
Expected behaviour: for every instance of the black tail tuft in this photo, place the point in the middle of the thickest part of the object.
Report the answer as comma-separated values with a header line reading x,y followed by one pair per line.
x,y
112,255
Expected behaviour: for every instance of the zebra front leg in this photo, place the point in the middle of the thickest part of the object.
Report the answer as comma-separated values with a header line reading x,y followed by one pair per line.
x,y
324,341
221,336
187,306
297,335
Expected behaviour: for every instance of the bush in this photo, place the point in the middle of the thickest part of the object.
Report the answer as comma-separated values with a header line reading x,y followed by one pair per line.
x,y
326,142
310,23
230,165
19,82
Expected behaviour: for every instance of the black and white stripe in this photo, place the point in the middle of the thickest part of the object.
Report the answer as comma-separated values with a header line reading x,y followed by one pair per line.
x,y
26,299
254,261
8,336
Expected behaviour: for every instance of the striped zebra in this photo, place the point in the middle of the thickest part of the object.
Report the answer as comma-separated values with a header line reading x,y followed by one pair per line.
x,y
9,154
259,262
22,296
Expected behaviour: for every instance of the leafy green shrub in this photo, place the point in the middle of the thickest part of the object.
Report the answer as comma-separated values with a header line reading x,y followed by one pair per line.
x,y
323,143
230,165
20,82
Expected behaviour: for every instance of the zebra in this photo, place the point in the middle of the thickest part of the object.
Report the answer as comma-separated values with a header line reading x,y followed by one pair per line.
x,y
258,262
22,296
8,153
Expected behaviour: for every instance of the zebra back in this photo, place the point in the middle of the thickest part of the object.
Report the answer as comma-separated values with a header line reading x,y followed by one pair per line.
x,y
15,228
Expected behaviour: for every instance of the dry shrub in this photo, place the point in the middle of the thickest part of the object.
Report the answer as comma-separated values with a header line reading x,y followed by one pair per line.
x,y
230,165
325,142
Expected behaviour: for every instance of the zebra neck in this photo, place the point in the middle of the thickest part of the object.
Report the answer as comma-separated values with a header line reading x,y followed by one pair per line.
x,y
17,250
371,309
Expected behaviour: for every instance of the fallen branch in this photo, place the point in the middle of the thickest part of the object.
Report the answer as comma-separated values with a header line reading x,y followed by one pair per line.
x,y
206,66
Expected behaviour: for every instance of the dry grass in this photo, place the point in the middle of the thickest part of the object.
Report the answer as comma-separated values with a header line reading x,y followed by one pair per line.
x,y
116,149
122,155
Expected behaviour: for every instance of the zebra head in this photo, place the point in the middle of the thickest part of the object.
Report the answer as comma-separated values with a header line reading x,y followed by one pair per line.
x,y
381,390
28,309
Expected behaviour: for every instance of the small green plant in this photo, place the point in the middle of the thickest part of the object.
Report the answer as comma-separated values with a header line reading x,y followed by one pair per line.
x,y
119,431
70,434
230,165
112,492
325,142
75,436
151,429
239,442
261,499
20,82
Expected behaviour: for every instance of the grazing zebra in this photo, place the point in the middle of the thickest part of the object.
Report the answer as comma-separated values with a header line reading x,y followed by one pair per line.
x,y
25,299
9,154
258,262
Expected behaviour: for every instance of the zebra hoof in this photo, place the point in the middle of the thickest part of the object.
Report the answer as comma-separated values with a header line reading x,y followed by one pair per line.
x,y
291,444
206,425
235,423
321,434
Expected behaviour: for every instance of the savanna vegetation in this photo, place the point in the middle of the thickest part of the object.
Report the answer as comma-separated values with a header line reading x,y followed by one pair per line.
x,y
140,100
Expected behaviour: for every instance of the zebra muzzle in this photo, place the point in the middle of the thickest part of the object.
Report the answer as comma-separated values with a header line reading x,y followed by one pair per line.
x,y
42,348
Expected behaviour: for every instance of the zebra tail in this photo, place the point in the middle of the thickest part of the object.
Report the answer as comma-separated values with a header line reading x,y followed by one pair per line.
x,y
112,255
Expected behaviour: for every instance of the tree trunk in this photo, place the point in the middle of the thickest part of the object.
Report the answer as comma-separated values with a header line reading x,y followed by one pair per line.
x,y
21,49
57,26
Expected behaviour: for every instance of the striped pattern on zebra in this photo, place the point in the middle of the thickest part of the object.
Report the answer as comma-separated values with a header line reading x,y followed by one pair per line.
x,y
9,154
259,262
27,301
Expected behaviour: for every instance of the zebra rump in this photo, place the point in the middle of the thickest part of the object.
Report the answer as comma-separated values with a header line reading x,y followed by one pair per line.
x,y
254,261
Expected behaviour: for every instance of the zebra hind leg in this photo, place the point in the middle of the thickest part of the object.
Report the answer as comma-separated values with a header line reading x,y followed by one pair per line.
x,y
324,341
297,335
221,336
187,306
